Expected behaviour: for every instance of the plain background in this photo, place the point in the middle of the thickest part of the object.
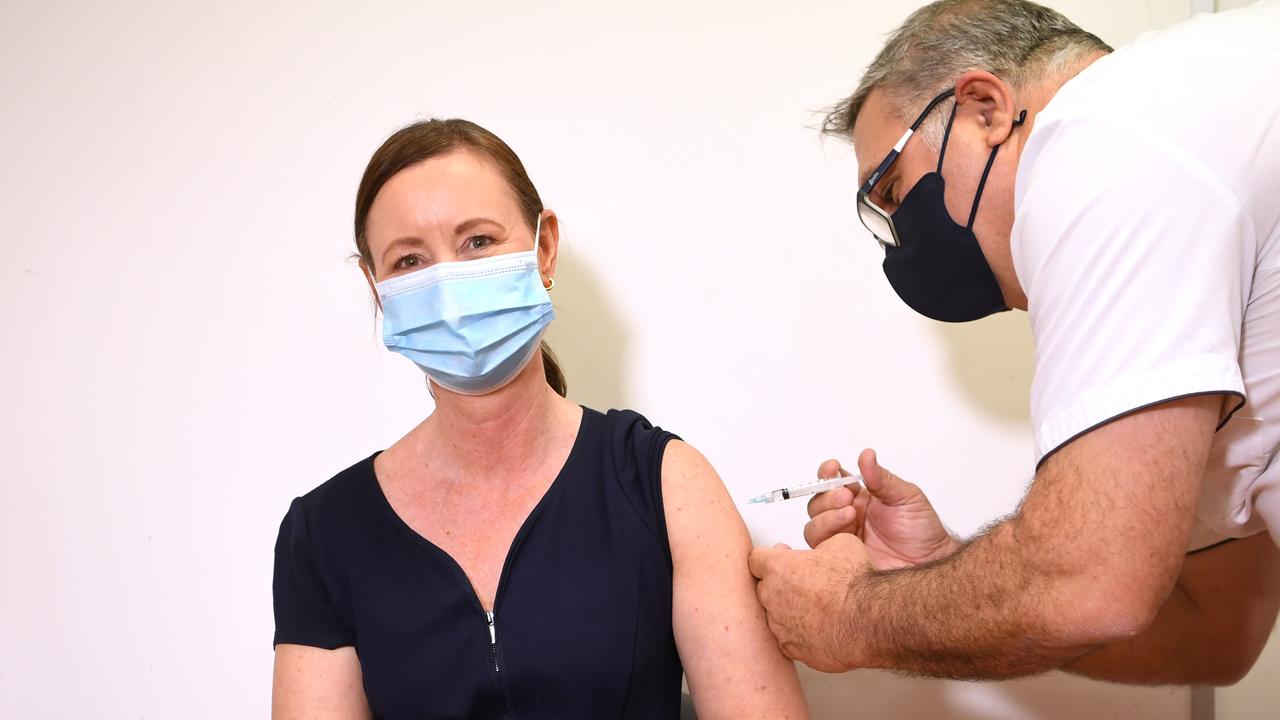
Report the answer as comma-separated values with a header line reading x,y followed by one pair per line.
x,y
187,345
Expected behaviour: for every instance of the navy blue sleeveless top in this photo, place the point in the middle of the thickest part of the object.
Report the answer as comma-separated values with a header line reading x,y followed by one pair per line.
x,y
581,626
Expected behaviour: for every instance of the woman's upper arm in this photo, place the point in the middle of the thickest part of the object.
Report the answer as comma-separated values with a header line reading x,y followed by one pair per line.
x,y
311,682
731,659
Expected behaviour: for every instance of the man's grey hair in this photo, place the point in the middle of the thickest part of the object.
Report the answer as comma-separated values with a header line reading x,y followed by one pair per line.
x,y
1018,41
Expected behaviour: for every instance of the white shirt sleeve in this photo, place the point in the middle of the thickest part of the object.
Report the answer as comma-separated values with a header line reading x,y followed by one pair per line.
x,y
1136,262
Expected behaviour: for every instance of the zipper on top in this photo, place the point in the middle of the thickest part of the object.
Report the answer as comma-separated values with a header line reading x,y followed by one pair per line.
x,y
493,641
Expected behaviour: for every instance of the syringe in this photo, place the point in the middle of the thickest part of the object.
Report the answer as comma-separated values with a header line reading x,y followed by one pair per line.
x,y
803,490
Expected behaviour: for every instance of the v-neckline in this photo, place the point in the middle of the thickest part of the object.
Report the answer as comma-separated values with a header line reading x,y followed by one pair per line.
x,y
525,526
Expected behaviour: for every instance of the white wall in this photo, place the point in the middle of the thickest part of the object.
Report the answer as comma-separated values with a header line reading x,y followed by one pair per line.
x,y
186,347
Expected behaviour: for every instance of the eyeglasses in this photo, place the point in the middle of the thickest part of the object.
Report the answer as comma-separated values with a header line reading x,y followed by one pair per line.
x,y
874,218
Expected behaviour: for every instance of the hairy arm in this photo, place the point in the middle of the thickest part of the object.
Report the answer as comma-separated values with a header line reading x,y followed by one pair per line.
x,y
1088,560
315,684
732,662
1210,630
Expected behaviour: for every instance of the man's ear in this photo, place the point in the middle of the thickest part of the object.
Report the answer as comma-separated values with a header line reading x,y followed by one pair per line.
x,y
548,246
373,288
989,100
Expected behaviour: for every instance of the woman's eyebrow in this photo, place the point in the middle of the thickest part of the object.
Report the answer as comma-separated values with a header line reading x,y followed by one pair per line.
x,y
466,225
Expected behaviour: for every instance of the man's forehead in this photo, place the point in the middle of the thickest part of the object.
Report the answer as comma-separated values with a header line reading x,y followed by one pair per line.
x,y
874,133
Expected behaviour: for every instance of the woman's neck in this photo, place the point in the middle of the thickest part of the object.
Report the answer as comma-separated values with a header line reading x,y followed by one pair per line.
x,y
485,435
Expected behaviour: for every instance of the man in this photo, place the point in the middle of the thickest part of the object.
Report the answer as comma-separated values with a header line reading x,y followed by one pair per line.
x,y
1130,201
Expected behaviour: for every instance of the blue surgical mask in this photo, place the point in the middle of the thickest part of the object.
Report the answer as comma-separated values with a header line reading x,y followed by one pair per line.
x,y
471,326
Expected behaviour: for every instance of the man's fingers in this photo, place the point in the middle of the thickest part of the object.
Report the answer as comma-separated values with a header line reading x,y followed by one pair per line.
x,y
884,485
860,503
831,500
830,469
824,525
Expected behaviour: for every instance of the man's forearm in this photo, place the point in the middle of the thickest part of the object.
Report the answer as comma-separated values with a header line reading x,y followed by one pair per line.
x,y
1087,561
977,614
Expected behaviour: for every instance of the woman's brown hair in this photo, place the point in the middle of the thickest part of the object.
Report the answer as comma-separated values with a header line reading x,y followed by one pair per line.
x,y
430,138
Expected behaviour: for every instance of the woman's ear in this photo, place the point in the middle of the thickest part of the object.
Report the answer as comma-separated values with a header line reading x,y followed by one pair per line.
x,y
985,97
548,246
373,288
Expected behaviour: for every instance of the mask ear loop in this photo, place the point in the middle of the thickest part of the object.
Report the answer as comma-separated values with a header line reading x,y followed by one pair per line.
x,y
946,135
537,245
991,159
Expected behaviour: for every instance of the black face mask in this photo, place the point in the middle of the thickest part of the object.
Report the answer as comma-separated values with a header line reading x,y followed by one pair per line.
x,y
939,269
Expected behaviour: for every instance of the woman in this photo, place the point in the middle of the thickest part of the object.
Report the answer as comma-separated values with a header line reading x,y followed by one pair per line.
x,y
514,555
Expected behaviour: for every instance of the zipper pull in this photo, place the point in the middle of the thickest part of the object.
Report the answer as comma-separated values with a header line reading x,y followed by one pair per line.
x,y
493,641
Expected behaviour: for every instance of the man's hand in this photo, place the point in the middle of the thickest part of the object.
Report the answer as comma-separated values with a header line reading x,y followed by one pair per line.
x,y
891,516
805,595
1087,560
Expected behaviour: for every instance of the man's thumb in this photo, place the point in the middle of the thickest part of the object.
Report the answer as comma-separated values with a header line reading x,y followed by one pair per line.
x,y
882,484
759,560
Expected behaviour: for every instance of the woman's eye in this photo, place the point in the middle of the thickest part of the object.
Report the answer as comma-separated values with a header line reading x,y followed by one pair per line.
x,y
408,261
479,242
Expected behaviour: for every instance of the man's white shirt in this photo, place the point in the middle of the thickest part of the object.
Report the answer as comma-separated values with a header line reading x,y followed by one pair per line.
x,y
1147,239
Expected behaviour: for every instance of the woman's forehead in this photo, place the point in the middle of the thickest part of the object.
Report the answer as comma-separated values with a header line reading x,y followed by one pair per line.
x,y
441,191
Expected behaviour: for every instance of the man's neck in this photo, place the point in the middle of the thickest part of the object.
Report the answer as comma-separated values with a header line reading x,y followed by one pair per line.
x,y
1037,96
1033,98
